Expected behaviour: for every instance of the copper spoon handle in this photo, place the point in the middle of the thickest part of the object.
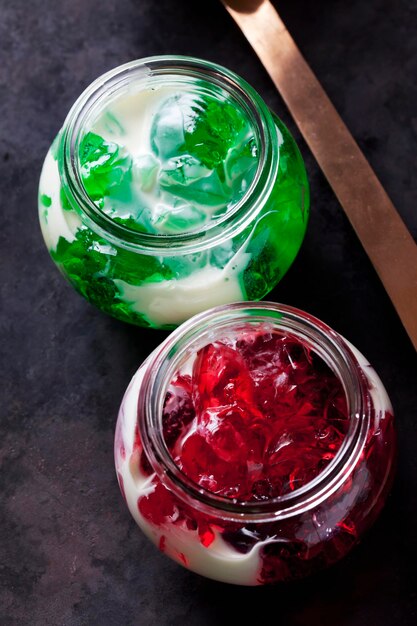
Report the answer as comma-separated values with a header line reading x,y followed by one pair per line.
x,y
380,229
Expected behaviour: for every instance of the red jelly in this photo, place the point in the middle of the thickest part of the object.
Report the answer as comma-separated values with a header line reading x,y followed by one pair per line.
x,y
265,414
262,446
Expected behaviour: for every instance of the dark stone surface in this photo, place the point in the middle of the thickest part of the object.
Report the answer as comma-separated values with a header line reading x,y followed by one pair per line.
x,y
70,553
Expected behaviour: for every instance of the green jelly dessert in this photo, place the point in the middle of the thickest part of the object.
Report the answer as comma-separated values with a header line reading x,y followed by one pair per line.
x,y
171,188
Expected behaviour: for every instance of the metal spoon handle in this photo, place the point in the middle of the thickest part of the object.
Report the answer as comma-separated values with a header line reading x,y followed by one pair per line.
x,y
379,227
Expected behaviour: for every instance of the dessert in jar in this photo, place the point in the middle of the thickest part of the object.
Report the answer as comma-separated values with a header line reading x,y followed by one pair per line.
x,y
255,444
172,188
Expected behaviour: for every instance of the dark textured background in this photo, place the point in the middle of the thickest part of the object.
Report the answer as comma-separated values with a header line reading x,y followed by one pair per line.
x,y
70,553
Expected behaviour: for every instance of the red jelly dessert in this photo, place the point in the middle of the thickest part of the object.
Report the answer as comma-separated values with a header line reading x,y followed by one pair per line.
x,y
255,445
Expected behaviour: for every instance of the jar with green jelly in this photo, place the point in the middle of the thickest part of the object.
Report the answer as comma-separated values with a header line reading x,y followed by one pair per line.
x,y
172,188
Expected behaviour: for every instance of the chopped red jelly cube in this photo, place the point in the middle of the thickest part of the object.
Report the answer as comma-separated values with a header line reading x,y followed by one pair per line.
x,y
221,378
259,417
206,534
158,505
162,543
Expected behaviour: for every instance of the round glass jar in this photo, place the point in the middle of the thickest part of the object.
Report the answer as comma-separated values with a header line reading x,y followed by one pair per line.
x,y
160,271
273,539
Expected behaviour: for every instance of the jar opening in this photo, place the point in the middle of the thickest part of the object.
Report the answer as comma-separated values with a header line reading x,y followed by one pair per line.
x,y
235,199
234,320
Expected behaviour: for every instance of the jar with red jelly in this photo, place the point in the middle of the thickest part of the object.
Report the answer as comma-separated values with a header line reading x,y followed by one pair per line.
x,y
255,444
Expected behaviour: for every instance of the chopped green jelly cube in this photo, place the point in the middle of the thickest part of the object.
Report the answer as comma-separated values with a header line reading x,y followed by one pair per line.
x,y
179,218
145,171
185,178
167,132
105,168
64,200
45,200
203,127
214,129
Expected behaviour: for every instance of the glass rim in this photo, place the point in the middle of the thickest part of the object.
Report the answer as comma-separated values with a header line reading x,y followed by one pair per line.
x,y
328,344
233,221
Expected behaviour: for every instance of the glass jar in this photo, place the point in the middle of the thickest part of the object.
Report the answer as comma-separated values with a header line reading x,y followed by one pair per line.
x,y
161,278
278,539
